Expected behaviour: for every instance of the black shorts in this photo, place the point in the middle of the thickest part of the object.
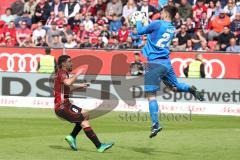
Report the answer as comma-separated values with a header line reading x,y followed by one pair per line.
x,y
70,113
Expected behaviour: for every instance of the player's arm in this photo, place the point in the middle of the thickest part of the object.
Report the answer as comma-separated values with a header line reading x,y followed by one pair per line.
x,y
141,30
79,86
70,81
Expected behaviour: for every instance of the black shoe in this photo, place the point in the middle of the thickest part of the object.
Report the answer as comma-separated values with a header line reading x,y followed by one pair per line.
x,y
154,131
197,94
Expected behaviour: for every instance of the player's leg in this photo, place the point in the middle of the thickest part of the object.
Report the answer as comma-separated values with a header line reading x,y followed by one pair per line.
x,y
80,117
73,114
101,147
154,114
71,139
76,130
152,77
171,81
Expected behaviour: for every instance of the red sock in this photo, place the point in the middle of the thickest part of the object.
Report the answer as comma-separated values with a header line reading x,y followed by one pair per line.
x,y
92,136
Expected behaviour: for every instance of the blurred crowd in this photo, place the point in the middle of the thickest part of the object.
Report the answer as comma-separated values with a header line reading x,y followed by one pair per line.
x,y
202,25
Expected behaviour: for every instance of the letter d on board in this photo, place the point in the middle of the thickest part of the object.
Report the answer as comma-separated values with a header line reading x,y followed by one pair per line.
x,y
7,89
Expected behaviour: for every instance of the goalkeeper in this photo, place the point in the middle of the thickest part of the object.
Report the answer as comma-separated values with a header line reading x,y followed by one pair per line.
x,y
159,36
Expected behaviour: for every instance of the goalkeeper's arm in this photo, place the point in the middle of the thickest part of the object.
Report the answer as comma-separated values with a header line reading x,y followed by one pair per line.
x,y
141,30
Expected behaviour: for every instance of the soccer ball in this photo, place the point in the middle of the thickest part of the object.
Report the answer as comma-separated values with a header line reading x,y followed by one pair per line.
x,y
138,15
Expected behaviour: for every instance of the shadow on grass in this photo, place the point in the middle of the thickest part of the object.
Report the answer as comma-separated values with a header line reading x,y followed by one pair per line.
x,y
148,150
58,147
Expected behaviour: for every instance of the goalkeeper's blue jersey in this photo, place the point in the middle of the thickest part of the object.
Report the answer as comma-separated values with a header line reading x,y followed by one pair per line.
x,y
159,36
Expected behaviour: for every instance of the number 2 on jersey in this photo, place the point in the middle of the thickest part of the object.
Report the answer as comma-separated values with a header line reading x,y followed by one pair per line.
x,y
164,41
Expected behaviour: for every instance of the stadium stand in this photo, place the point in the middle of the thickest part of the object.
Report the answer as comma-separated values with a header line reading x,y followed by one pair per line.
x,y
104,24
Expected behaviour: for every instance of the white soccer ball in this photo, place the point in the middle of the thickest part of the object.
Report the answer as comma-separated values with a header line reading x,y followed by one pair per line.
x,y
137,15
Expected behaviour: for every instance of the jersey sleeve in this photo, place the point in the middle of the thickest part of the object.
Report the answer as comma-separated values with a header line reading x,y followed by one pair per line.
x,y
63,76
147,29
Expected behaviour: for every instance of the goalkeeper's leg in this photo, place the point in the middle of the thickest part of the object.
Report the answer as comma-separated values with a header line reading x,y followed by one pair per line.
x,y
152,77
171,81
154,114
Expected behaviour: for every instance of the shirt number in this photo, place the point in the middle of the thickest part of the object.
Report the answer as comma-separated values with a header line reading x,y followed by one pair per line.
x,y
165,38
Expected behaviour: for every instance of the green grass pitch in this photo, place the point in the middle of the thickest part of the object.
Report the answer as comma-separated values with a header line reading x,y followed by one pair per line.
x,y
36,134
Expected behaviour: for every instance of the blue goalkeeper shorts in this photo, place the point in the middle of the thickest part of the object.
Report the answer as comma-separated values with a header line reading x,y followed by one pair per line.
x,y
161,70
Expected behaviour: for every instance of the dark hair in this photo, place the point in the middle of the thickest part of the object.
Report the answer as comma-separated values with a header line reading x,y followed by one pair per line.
x,y
226,26
48,51
172,11
8,9
62,59
136,54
